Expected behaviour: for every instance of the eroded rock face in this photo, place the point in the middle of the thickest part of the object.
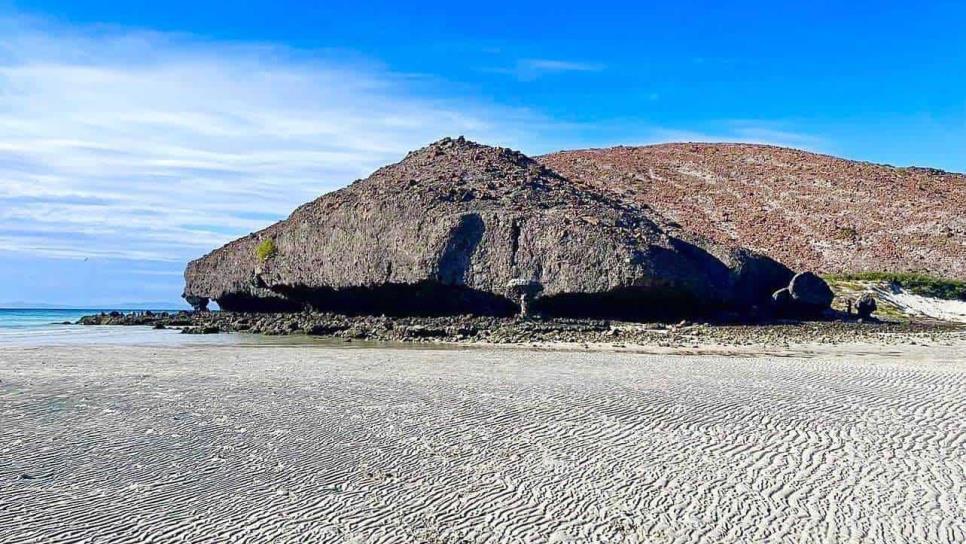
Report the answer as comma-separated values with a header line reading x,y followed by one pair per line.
x,y
449,227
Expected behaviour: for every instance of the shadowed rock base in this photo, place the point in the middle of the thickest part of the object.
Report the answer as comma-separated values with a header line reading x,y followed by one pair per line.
x,y
625,304
435,299
418,299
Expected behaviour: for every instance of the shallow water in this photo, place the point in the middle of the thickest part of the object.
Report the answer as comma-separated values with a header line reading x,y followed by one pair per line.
x,y
38,318
46,328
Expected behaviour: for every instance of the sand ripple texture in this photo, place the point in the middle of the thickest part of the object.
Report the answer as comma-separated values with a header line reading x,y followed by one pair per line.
x,y
294,444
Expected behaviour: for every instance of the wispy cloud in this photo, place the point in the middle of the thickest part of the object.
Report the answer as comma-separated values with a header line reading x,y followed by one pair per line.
x,y
150,146
551,66
530,69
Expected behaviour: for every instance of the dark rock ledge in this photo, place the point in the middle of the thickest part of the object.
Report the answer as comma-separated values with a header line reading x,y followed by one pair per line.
x,y
499,330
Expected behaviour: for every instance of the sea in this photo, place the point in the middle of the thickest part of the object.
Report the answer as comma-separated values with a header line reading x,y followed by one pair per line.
x,y
55,327
42,327
15,318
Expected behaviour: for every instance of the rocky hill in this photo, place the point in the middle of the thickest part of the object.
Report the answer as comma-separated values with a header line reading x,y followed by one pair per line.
x,y
809,211
458,227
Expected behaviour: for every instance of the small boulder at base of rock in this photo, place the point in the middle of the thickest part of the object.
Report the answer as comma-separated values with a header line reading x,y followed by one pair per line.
x,y
810,292
201,329
525,291
866,306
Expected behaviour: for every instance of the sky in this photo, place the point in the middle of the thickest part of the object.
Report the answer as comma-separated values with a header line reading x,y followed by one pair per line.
x,y
138,135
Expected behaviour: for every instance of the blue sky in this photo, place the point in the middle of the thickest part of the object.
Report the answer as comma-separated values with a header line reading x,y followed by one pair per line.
x,y
137,135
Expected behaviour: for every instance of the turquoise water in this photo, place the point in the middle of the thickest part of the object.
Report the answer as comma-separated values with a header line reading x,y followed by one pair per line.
x,y
39,328
20,319
47,327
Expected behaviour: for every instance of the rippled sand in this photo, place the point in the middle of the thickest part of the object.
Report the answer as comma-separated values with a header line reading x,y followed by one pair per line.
x,y
312,444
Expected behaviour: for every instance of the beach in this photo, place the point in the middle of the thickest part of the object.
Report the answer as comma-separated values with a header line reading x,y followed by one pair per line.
x,y
322,443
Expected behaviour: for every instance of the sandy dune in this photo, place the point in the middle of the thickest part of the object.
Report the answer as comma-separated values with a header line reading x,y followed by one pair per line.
x,y
286,444
920,306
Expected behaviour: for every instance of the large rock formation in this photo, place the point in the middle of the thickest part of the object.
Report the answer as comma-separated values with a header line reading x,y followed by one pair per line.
x,y
809,211
454,226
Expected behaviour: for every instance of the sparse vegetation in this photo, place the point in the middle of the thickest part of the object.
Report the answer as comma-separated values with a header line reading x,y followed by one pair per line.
x,y
846,233
920,284
266,250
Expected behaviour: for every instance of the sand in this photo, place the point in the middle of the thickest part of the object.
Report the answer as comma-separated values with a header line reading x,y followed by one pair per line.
x,y
920,306
227,443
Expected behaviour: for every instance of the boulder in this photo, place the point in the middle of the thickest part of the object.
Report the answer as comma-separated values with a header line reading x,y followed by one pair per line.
x,y
447,229
807,296
810,292
755,276
866,306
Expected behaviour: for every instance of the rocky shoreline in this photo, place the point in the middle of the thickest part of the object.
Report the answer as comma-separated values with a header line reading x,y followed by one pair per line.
x,y
495,330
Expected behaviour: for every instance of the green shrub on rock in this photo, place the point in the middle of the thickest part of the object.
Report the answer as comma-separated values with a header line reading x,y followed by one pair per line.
x,y
266,250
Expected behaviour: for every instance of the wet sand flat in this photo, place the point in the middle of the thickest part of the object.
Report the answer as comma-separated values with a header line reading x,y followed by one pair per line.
x,y
313,444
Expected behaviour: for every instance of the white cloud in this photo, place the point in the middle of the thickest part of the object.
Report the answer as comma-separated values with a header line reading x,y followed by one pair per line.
x,y
156,147
150,146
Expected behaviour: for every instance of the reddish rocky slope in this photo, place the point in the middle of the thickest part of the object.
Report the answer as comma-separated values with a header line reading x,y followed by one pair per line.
x,y
809,211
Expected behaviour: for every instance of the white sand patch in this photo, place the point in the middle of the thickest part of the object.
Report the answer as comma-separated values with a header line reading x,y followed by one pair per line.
x,y
920,306
479,445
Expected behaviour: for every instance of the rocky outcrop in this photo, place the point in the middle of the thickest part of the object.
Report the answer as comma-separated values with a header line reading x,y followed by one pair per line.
x,y
809,211
503,330
452,226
